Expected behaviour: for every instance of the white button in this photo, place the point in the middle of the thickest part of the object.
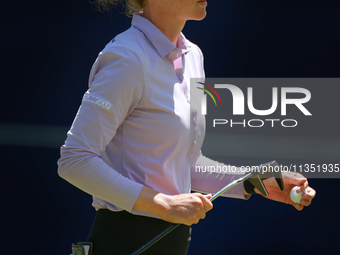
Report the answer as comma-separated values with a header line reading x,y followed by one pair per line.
x,y
194,120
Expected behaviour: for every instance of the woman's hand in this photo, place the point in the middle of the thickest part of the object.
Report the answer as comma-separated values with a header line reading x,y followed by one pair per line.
x,y
185,209
290,180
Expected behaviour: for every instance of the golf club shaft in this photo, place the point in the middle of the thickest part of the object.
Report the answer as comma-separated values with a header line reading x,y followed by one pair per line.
x,y
171,228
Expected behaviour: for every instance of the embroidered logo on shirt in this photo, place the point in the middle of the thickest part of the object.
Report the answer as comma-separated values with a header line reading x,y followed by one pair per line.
x,y
97,100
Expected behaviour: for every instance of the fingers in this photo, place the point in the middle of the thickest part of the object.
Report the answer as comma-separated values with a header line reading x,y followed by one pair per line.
x,y
305,202
201,217
298,207
306,199
187,209
292,179
296,179
308,196
303,186
204,206
207,203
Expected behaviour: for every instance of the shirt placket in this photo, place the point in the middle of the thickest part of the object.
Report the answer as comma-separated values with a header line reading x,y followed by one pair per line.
x,y
179,65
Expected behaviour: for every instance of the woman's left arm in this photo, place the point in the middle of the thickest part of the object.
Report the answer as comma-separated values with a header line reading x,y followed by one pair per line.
x,y
209,176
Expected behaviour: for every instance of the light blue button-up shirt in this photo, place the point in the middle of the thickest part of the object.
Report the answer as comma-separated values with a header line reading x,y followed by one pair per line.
x,y
137,124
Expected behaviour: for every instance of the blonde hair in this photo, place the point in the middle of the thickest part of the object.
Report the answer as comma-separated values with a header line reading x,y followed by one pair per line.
x,y
131,6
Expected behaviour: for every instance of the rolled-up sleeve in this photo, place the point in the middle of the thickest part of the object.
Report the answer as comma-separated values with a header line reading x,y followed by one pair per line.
x,y
116,87
210,176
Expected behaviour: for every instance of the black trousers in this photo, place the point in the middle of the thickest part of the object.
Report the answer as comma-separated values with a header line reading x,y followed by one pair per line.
x,y
123,233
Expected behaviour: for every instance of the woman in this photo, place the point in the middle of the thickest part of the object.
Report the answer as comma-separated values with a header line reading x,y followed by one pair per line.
x,y
137,136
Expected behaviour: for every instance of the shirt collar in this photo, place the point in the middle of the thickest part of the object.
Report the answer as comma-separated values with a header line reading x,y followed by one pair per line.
x,y
183,44
161,43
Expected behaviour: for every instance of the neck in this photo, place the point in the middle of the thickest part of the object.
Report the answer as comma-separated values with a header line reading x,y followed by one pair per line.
x,y
166,23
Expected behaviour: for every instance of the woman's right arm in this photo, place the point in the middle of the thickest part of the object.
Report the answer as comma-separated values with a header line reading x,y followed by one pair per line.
x,y
116,87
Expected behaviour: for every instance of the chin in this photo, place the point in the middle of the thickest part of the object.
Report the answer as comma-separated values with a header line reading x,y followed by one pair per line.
x,y
201,16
